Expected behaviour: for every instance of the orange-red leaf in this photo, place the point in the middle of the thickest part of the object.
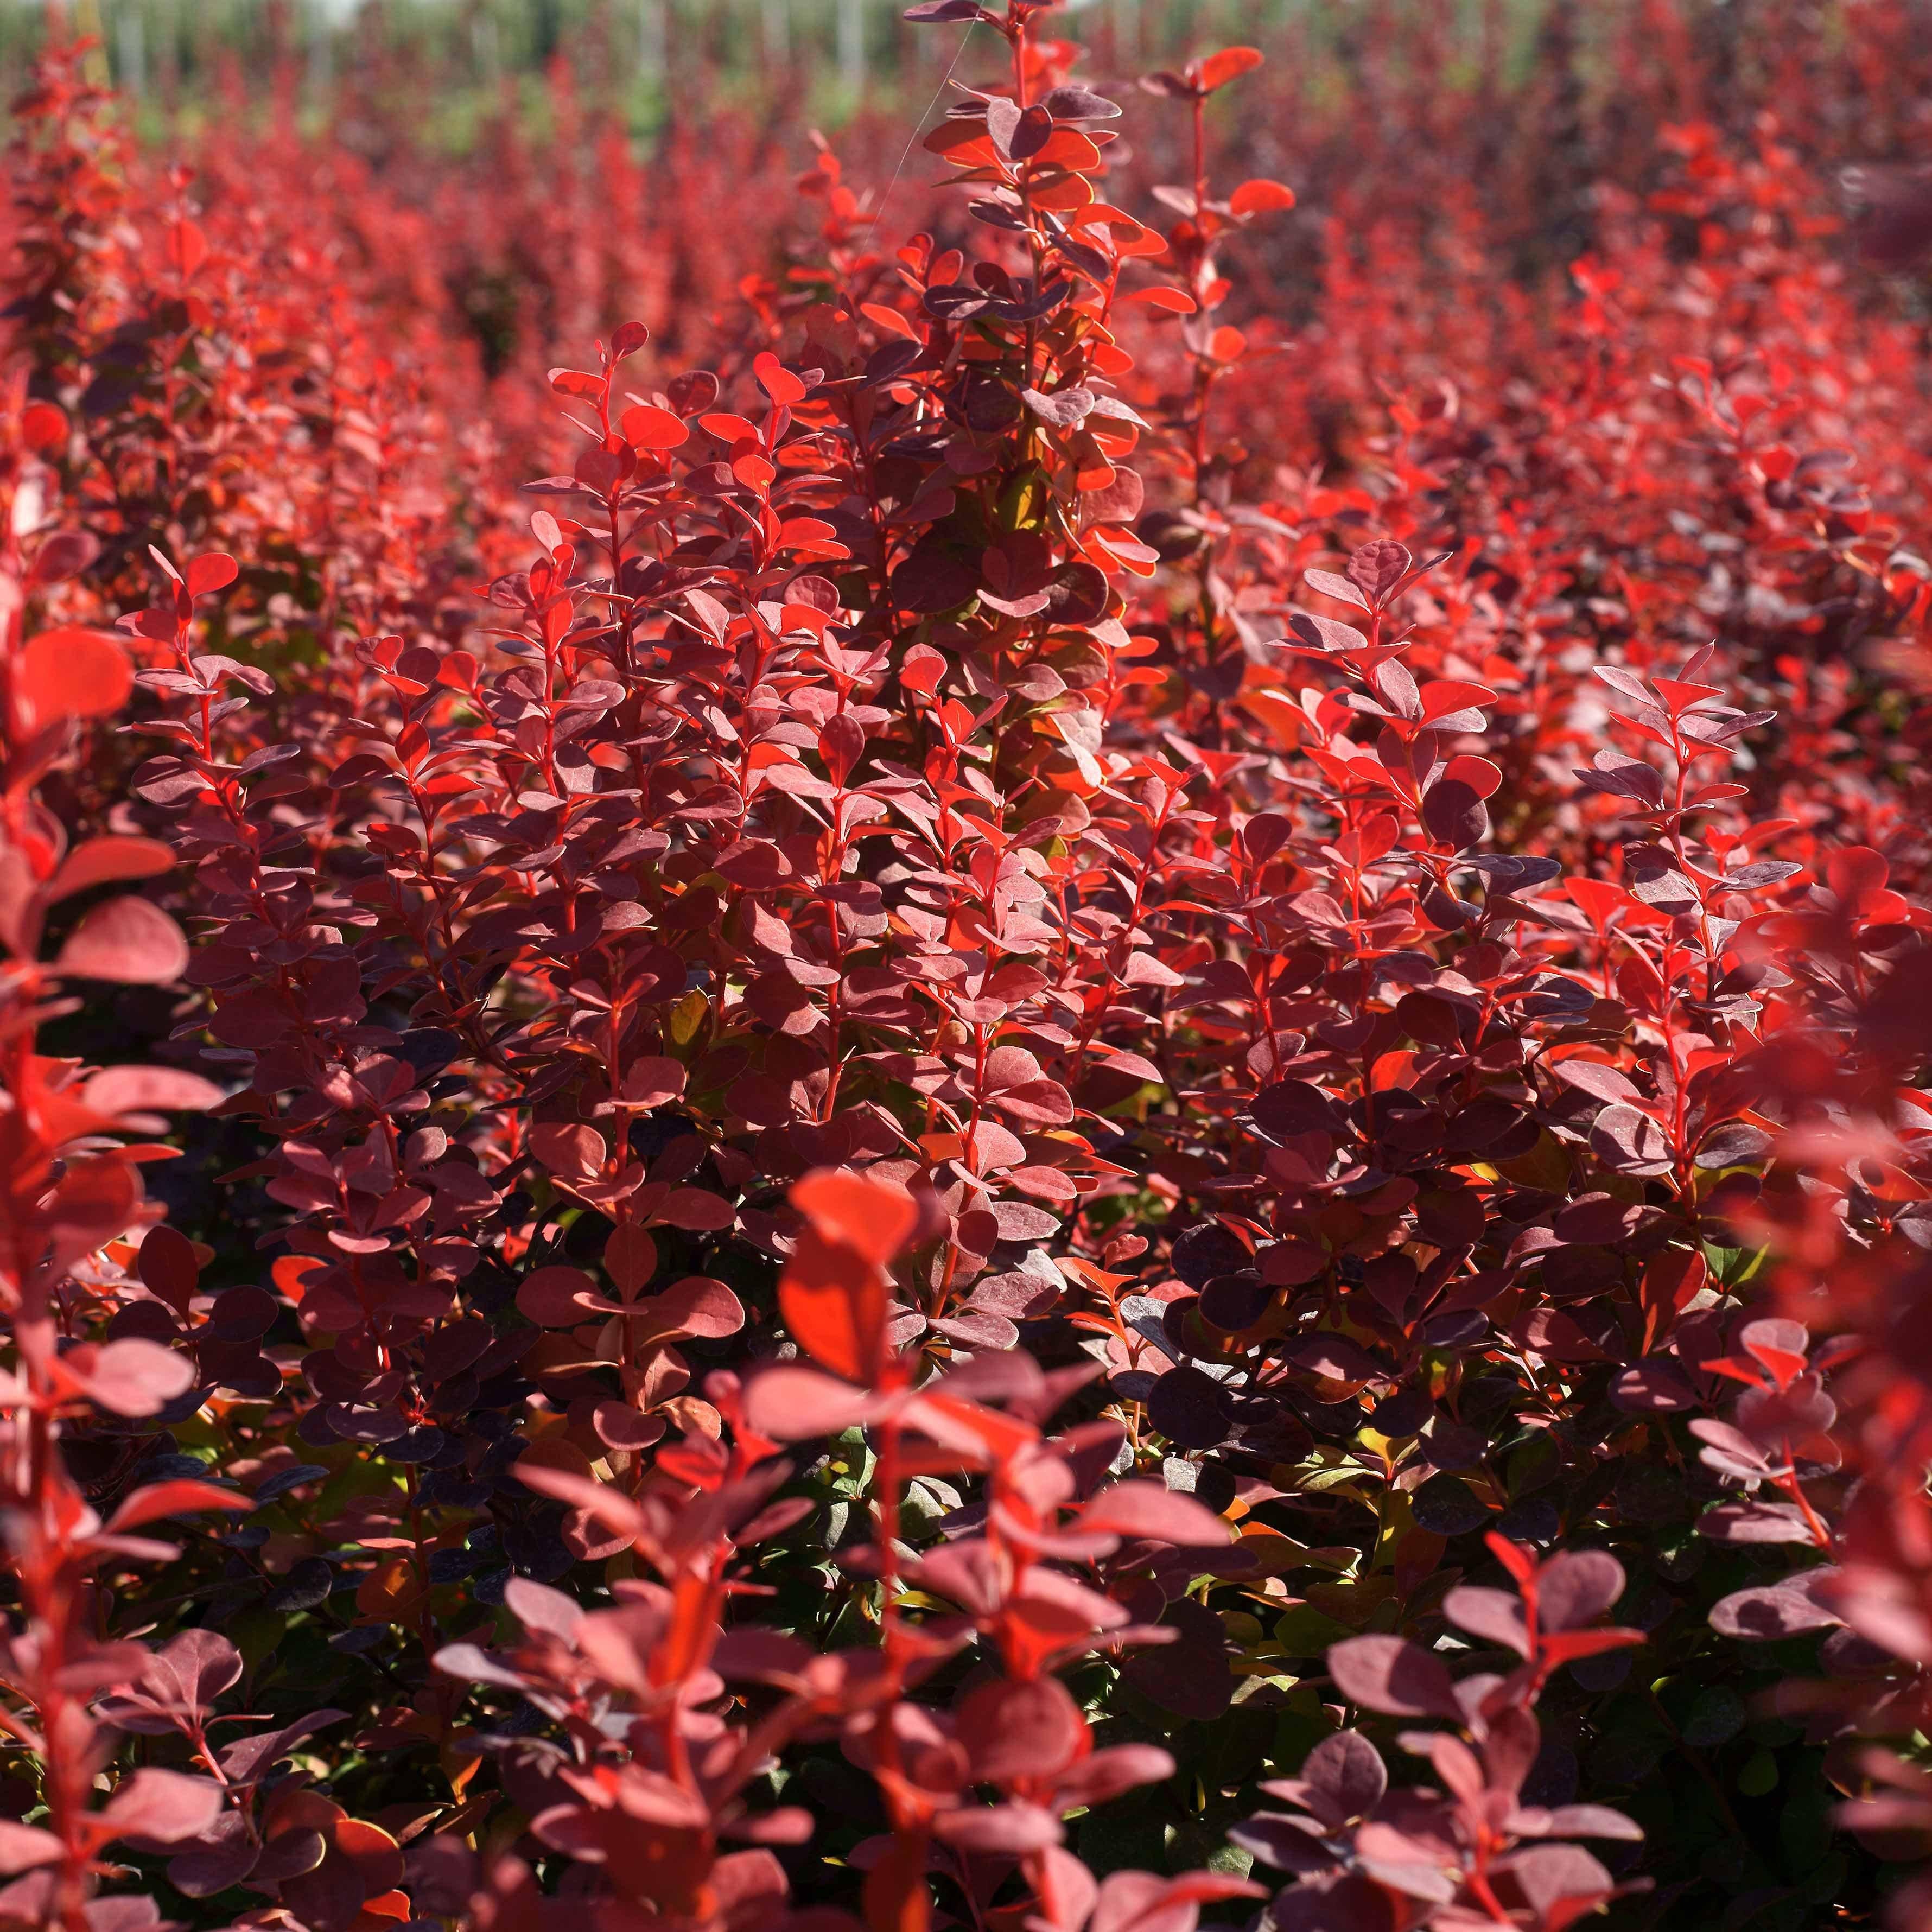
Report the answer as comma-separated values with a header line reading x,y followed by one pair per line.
x,y
214,570
1230,64
72,672
873,1216
645,426
1175,301
1261,196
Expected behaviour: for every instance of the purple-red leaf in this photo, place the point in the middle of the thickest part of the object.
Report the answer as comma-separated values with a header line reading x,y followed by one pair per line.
x,y
1391,1674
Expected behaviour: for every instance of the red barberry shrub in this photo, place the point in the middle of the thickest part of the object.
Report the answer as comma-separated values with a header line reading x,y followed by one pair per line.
x,y
1057,1109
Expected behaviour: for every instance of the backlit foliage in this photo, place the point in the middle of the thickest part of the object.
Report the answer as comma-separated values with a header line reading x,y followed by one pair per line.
x,y
958,1141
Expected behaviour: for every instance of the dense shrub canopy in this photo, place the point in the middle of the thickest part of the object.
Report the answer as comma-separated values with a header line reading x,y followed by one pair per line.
x,y
1094,1101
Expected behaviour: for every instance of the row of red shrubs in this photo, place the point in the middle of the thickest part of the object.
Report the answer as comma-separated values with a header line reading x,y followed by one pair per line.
x,y
889,1154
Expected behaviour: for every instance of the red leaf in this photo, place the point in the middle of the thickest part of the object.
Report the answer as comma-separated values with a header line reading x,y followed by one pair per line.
x,y
1139,1901
1496,1614
1323,1353
1388,1673
187,246
163,1805
1779,1347
696,1306
1230,64
1261,197
43,425
1377,567
132,1376
695,1210
832,1293
130,941
174,1498
1326,584
23,1847
895,1894
652,1082
1520,1562
557,1297
1015,1730
610,1507
213,570
72,672
875,1218
1011,1828
168,1266
645,426
1771,1612
1855,874
569,1149
1482,775
101,860
1143,1510
1344,1771
537,1607
1175,301
630,1258
115,1090
1576,1586
1566,1646
1554,1877
791,1403
777,381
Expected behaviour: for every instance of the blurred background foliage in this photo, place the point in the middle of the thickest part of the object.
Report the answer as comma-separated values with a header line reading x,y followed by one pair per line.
x,y
458,62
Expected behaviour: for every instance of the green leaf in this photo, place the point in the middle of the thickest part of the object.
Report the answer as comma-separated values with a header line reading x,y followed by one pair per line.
x,y
1230,1858
1302,1630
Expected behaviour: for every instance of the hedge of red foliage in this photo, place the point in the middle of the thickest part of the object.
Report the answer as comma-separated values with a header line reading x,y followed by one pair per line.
x,y
929,1152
